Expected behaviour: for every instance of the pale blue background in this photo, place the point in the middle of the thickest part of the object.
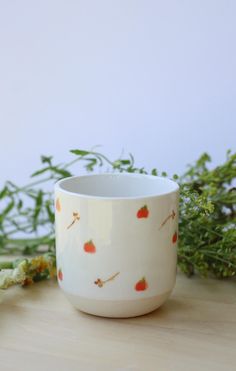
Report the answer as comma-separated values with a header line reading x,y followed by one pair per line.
x,y
157,78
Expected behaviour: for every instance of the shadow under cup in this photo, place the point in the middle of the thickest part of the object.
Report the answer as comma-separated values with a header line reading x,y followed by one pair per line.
x,y
116,242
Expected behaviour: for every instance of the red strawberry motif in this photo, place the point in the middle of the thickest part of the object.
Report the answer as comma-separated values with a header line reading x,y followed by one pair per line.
x,y
60,274
175,237
89,247
143,212
141,285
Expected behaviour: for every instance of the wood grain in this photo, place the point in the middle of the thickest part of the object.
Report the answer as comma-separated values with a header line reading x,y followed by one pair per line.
x,y
194,330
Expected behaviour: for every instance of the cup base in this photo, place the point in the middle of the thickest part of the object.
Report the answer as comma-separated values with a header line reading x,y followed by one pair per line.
x,y
117,308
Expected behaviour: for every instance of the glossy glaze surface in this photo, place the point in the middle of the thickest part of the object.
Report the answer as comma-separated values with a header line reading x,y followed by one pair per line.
x,y
114,248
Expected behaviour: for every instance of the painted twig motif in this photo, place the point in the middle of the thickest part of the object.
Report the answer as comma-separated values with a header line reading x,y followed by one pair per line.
x,y
101,283
76,217
171,216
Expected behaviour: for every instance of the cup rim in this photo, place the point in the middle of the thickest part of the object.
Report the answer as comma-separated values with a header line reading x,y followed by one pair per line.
x,y
58,186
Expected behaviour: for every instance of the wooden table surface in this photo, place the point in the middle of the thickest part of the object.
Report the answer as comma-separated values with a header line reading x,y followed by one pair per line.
x,y
194,330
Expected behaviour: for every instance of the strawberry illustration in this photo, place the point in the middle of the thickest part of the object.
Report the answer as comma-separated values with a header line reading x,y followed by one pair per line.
x,y
89,247
141,285
60,274
143,212
58,205
175,237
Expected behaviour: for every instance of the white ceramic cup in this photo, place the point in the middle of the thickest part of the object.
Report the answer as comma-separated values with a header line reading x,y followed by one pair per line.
x,y
116,242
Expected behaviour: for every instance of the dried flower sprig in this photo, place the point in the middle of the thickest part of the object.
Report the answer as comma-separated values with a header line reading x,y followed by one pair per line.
x,y
26,271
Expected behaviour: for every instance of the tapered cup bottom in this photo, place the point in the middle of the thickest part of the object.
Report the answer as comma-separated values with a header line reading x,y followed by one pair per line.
x,y
117,308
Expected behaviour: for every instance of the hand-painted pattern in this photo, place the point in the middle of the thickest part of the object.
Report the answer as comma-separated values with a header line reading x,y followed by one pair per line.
x,y
175,237
89,247
60,274
58,205
141,285
171,216
76,217
100,283
143,212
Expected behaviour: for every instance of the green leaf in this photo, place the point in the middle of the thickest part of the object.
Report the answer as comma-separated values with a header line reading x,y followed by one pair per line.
x,y
56,170
41,171
116,164
47,160
38,208
19,205
154,172
201,162
8,208
79,152
6,265
63,172
91,163
50,213
125,162
4,192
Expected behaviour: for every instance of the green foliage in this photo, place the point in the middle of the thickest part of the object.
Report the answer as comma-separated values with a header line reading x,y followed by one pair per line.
x,y
207,227
208,219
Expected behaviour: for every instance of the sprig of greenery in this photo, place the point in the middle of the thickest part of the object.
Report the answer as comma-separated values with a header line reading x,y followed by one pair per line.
x,y
207,228
208,219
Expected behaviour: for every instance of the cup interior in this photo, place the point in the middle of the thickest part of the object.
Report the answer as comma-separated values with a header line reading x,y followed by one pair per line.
x,y
118,185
